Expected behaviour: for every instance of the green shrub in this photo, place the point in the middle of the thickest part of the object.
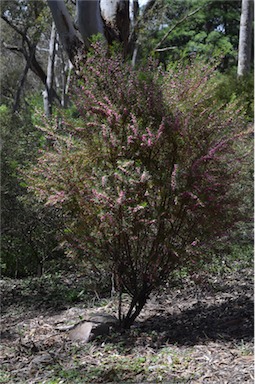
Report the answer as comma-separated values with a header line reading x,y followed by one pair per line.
x,y
230,88
146,176
27,229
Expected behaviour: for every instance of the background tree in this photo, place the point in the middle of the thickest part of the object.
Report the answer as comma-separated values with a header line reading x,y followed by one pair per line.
x,y
27,34
245,38
28,230
27,23
171,30
202,27
116,20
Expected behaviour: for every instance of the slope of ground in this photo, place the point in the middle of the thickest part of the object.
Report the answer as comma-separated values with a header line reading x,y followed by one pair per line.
x,y
199,331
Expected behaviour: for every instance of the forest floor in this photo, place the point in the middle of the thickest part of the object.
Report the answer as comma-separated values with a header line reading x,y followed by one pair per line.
x,y
198,331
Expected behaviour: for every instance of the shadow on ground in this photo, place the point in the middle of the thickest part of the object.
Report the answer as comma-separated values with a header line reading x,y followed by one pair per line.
x,y
225,314
230,321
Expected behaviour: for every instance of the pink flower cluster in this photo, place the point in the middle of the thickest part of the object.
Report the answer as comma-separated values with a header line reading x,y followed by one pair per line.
x,y
56,198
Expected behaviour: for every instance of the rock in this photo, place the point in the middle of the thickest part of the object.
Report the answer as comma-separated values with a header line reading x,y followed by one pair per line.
x,y
97,325
103,318
81,331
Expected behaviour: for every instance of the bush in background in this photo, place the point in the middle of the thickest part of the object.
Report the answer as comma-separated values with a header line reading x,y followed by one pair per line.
x,y
28,230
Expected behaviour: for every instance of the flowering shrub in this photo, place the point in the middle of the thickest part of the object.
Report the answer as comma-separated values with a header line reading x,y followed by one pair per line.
x,y
146,173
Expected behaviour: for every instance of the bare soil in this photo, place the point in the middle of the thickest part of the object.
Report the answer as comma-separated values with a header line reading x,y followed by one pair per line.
x,y
198,331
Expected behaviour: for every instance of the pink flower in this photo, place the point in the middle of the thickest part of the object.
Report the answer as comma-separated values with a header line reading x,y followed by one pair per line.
x,y
144,177
58,197
104,181
130,139
149,132
121,198
161,129
173,177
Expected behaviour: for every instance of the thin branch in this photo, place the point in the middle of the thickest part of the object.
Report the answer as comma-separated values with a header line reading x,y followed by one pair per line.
x,y
33,64
143,18
120,306
164,49
139,21
176,25
14,48
148,7
23,34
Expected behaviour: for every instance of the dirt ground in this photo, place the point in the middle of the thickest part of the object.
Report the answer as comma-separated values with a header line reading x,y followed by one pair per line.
x,y
199,331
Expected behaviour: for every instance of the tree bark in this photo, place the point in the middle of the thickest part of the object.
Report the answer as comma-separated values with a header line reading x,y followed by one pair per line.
x,y
28,50
67,33
89,19
135,308
20,88
48,94
108,18
245,36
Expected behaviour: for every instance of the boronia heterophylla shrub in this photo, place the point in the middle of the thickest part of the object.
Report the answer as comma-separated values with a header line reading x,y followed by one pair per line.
x,y
146,171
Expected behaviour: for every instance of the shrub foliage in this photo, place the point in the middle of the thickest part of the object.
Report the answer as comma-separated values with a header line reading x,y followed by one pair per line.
x,y
145,170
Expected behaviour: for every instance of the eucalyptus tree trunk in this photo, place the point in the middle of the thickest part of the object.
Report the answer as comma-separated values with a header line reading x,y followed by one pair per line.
x,y
48,92
62,75
89,19
245,37
68,35
108,18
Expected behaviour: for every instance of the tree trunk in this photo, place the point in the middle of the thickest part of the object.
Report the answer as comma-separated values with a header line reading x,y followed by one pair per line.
x,y
109,18
245,35
48,94
135,308
89,20
133,43
67,33
20,88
